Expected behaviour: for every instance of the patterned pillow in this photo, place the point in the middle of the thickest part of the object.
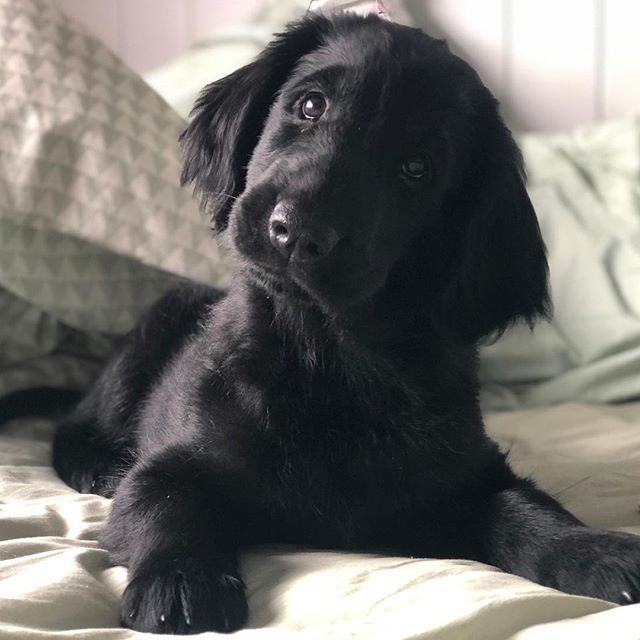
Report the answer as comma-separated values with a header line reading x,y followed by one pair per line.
x,y
93,223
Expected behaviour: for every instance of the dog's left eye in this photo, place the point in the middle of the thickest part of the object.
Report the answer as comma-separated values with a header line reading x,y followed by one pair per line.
x,y
416,168
313,106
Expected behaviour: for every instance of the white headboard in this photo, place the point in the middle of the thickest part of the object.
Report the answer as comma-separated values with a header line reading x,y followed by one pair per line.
x,y
552,63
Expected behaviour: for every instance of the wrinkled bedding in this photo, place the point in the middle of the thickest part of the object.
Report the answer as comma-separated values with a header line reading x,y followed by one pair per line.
x,y
56,583
585,186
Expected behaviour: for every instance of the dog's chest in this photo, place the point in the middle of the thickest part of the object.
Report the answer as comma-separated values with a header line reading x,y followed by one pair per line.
x,y
329,453
334,457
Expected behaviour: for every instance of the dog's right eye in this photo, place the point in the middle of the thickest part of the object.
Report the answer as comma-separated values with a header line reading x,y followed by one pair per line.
x,y
313,106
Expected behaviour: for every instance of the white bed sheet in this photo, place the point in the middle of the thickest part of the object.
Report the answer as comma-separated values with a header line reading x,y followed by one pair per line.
x,y
56,583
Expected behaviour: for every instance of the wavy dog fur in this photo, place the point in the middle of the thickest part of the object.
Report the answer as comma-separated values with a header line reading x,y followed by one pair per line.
x,y
381,228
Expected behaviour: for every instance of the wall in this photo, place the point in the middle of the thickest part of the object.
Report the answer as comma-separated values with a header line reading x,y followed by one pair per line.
x,y
147,33
552,63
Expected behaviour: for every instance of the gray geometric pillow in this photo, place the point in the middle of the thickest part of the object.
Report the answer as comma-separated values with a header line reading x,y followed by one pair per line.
x,y
93,223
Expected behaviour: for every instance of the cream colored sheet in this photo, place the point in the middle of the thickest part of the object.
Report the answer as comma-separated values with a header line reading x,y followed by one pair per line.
x,y
55,582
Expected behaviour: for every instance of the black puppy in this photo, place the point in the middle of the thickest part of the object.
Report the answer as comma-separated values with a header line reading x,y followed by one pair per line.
x,y
381,227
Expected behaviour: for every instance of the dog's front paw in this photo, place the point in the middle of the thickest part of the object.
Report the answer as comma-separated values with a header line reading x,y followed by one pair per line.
x,y
595,563
184,595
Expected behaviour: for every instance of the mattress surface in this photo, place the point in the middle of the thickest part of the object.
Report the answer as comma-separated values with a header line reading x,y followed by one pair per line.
x,y
56,583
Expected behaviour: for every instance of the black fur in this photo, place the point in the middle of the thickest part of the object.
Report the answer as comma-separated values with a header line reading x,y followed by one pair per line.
x,y
330,397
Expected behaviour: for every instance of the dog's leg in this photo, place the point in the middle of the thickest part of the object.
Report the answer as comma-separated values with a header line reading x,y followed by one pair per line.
x,y
96,445
172,523
526,532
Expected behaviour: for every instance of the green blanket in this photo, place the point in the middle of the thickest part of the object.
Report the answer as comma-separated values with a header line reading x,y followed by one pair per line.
x,y
586,190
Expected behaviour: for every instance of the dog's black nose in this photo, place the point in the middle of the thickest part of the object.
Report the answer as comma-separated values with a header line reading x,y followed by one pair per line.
x,y
299,243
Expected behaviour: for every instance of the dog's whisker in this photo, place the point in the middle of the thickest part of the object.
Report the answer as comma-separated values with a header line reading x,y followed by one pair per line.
x,y
220,193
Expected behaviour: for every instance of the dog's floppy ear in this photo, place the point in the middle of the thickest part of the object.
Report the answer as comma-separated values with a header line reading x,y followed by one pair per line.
x,y
498,272
229,115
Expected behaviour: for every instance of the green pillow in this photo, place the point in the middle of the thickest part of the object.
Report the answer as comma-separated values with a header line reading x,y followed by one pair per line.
x,y
586,190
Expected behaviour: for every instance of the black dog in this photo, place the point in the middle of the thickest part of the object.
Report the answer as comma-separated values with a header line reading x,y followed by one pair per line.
x,y
381,227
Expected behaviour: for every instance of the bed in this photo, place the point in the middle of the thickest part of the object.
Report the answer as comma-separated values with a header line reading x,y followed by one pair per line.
x,y
56,583
93,227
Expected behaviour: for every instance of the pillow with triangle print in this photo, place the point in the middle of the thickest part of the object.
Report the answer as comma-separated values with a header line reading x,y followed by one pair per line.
x,y
93,223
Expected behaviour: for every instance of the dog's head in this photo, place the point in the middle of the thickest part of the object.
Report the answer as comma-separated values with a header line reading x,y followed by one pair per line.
x,y
355,155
